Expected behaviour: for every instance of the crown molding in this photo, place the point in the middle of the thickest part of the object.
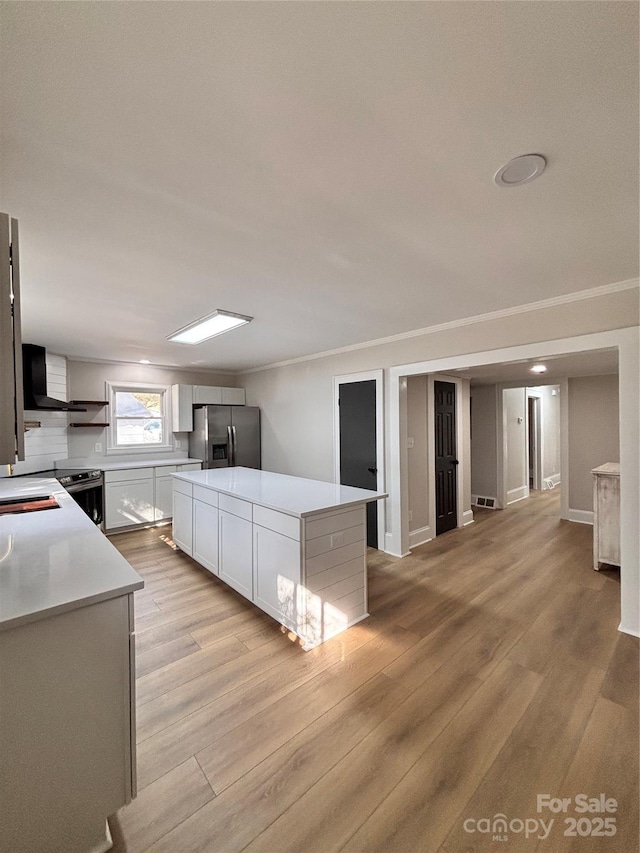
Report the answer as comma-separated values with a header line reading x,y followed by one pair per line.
x,y
577,296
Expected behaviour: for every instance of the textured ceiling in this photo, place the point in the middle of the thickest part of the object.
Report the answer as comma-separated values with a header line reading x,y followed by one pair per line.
x,y
323,167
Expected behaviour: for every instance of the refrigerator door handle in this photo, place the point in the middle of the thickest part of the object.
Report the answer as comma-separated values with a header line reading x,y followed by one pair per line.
x,y
231,447
233,433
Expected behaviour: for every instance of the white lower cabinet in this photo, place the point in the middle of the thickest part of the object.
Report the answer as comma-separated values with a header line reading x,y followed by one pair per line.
x,y
276,575
205,535
310,574
67,738
130,502
236,553
183,520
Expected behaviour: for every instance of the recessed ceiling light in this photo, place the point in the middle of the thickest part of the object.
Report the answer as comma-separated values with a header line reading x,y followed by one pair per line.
x,y
208,327
520,170
538,368
144,361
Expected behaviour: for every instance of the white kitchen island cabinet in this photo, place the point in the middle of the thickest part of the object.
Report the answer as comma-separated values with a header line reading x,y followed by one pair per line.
x,y
67,678
294,547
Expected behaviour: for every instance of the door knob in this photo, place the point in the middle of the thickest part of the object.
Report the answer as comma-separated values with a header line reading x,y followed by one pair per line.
x,y
455,462
372,470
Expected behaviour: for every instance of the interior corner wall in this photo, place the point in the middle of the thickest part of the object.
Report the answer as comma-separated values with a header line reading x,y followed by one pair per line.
x,y
418,453
594,433
484,479
516,473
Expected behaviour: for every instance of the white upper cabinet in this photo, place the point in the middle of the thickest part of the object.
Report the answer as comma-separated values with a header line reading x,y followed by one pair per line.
x,y
207,395
233,396
185,397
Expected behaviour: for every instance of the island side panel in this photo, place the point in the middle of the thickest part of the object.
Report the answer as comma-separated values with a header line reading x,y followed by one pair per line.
x,y
334,573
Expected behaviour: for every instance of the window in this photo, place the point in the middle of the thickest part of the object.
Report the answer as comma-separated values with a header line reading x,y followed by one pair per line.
x,y
139,417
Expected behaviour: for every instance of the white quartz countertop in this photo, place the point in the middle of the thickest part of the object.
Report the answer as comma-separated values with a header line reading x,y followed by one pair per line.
x,y
102,465
292,495
54,560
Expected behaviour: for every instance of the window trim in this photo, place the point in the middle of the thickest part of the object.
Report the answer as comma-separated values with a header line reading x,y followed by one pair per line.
x,y
165,390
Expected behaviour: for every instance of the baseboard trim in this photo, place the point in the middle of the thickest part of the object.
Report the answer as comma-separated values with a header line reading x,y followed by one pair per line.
x,y
581,516
519,494
629,631
420,536
390,551
551,482
467,517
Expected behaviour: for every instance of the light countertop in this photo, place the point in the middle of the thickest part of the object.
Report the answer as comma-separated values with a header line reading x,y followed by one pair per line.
x,y
105,465
54,560
295,496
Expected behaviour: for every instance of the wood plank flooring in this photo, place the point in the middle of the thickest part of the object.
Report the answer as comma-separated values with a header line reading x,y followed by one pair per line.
x,y
490,671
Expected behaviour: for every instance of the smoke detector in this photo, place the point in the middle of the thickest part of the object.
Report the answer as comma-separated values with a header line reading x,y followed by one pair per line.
x,y
520,170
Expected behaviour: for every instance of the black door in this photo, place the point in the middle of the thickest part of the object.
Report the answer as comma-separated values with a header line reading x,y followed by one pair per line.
x,y
357,402
445,456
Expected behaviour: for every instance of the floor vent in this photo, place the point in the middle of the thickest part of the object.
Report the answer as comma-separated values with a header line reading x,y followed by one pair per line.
x,y
478,500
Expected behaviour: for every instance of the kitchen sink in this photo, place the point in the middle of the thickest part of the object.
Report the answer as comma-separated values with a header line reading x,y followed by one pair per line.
x,y
34,503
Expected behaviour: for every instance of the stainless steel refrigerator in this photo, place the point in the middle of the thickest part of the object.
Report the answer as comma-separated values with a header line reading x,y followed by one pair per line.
x,y
226,436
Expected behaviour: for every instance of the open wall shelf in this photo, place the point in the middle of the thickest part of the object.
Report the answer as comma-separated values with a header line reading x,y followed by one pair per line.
x,y
88,424
98,403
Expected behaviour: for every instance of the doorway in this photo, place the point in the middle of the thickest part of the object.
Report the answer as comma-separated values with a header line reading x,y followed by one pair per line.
x,y
359,443
446,461
534,441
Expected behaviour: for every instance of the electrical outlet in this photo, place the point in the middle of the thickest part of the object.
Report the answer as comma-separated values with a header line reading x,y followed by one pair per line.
x,y
337,539
98,447
410,443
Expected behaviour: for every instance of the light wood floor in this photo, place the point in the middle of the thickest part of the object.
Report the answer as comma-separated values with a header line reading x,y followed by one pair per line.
x,y
491,670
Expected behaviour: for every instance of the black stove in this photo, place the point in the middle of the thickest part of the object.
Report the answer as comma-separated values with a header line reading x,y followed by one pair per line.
x,y
84,485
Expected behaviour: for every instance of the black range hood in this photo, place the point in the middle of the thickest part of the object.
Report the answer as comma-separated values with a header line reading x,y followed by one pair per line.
x,y
34,373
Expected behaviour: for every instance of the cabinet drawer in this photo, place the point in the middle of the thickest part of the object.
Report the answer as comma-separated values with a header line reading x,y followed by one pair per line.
x,y
126,474
165,471
182,487
207,496
235,506
190,466
288,525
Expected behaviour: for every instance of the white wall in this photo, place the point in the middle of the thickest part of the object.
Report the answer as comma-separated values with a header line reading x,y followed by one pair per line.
x,y
418,454
594,434
87,380
45,444
484,476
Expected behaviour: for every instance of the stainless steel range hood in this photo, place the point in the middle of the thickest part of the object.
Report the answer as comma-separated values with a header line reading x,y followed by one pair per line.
x,y
34,371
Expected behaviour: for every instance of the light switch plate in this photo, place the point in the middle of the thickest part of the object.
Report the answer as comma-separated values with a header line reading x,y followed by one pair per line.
x,y
410,443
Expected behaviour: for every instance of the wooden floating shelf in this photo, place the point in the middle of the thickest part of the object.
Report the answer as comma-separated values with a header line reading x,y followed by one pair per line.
x,y
89,402
88,424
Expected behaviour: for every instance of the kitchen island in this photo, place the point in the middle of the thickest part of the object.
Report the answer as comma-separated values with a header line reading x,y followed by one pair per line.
x,y
67,740
294,547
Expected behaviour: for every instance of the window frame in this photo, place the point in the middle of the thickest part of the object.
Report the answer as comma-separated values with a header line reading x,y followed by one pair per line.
x,y
168,444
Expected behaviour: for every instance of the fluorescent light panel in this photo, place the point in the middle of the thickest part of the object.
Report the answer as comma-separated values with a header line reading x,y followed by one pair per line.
x,y
208,327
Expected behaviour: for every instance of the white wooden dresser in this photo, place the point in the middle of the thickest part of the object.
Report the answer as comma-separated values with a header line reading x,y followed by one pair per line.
x,y
606,514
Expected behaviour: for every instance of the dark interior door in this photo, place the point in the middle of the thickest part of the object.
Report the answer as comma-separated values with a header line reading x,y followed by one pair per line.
x,y
445,456
357,402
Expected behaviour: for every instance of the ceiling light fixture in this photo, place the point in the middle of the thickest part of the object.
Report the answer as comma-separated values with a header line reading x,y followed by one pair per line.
x,y
538,368
520,170
208,327
144,361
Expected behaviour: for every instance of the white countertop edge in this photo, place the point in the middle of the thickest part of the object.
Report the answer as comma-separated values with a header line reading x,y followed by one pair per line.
x,y
376,496
67,606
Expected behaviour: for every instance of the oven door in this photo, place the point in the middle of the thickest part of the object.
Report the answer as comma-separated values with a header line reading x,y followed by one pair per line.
x,y
89,497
